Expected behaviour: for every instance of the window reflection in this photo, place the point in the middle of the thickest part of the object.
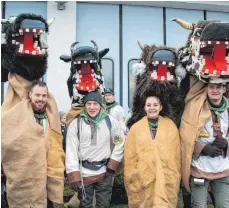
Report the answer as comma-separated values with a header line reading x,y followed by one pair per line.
x,y
131,81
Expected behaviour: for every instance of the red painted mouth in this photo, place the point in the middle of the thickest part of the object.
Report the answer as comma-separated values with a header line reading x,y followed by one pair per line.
x,y
217,61
162,73
28,41
86,78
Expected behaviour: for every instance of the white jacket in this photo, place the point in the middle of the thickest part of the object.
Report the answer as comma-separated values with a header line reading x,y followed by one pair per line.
x,y
96,151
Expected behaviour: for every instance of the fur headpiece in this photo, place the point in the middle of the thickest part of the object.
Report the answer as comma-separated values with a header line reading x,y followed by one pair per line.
x,y
206,53
85,72
158,74
24,48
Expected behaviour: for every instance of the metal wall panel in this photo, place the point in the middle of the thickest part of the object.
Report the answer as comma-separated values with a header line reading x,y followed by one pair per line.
x,y
139,23
100,22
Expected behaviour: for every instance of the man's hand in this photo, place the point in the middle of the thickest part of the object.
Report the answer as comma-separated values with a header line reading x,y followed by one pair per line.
x,y
75,186
220,143
212,151
110,172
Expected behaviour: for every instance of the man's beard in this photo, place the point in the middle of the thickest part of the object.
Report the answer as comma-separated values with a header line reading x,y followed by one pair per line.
x,y
39,110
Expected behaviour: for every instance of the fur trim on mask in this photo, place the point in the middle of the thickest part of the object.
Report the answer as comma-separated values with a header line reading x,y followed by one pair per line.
x,y
170,95
180,74
138,69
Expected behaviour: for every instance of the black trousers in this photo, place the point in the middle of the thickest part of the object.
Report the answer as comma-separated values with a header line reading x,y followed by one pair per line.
x,y
103,191
49,204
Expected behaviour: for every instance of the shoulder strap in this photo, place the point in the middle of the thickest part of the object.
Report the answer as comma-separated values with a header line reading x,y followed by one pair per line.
x,y
108,122
78,128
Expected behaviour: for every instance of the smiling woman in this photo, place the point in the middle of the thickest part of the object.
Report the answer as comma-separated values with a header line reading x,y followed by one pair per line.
x,y
152,159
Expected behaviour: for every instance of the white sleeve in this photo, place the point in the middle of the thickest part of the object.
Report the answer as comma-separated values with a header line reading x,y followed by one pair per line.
x,y
121,114
122,119
72,144
118,138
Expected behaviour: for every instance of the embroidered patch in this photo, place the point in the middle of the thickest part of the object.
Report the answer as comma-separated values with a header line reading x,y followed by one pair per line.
x,y
117,140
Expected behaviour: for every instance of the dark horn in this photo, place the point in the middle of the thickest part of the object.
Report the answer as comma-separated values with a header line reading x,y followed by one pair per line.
x,y
95,45
73,45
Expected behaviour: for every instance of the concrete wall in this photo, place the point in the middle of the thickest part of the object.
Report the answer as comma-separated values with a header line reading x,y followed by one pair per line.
x,y
62,34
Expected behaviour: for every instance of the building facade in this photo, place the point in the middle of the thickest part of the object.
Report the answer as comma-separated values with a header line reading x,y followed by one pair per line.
x,y
114,25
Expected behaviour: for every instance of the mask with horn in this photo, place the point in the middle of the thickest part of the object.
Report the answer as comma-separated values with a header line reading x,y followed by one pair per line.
x,y
158,74
24,48
206,53
85,72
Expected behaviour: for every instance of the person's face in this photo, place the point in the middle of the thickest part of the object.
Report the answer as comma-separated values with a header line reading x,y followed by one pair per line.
x,y
39,97
92,108
63,119
152,107
109,98
215,92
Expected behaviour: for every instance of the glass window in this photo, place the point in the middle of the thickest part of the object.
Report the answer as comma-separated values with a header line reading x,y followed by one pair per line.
x,y
131,80
108,72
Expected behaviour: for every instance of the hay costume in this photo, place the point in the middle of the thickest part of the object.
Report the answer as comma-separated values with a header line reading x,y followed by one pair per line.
x,y
85,75
32,156
205,57
152,153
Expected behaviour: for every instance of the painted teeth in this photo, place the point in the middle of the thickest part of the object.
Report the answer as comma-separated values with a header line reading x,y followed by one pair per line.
x,y
87,88
163,63
13,35
34,52
26,30
206,70
35,44
162,78
14,41
20,31
214,72
17,34
223,72
27,51
85,62
20,49
79,62
17,43
41,31
34,30
93,87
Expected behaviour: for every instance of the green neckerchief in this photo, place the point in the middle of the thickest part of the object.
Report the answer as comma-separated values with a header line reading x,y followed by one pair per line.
x,y
153,124
40,115
101,115
109,106
218,109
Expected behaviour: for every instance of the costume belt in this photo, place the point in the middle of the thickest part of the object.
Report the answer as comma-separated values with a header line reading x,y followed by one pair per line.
x,y
96,165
